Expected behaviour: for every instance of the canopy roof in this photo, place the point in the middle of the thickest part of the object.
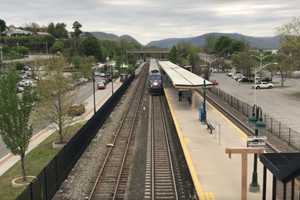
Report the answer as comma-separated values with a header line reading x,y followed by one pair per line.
x,y
285,166
182,78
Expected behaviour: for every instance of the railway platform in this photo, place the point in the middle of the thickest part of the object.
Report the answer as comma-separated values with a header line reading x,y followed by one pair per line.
x,y
215,176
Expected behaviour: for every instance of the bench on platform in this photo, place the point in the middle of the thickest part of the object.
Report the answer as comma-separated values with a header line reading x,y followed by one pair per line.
x,y
210,127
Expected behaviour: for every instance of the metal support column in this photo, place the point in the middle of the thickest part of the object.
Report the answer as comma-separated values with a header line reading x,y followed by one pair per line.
x,y
264,183
293,189
284,191
274,189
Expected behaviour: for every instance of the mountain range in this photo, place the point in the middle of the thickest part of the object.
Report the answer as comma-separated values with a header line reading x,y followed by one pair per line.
x,y
255,42
113,37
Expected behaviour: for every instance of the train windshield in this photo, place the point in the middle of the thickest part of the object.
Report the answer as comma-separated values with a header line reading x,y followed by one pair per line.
x,y
154,77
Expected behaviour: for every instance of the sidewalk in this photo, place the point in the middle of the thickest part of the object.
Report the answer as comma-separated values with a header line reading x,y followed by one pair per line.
x,y
218,177
9,160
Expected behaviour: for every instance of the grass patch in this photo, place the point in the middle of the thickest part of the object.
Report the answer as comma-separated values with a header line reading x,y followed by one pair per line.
x,y
36,160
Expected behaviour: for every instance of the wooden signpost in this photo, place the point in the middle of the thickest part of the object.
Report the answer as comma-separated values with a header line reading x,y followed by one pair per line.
x,y
244,155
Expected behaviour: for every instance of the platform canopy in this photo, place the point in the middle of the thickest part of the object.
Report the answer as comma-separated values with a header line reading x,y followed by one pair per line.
x,y
182,78
285,166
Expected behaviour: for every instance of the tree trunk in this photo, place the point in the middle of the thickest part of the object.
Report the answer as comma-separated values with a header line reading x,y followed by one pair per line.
x,y
60,123
23,167
282,79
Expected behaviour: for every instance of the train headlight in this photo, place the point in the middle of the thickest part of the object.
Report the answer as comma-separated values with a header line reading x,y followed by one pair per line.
x,y
155,83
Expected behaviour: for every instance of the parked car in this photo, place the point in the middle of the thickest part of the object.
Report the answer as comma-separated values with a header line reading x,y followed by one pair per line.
x,y
101,85
25,83
229,74
263,85
76,110
214,82
238,76
245,80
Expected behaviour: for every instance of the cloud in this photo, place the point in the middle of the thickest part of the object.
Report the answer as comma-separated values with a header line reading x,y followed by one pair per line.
x,y
156,19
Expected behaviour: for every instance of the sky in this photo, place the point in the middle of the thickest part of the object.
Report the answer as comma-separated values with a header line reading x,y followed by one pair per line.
x,y
149,20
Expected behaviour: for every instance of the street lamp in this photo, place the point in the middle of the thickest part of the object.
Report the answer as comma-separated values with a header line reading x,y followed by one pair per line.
x,y
94,90
258,120
1,57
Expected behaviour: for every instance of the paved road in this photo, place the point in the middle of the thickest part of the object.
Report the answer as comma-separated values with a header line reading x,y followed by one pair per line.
x,y
29,58
281,103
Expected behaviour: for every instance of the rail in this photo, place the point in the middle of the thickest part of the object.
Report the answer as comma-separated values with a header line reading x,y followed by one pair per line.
x,y
109,175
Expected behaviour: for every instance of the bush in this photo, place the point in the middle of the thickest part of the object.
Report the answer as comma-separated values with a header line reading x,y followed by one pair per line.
x,y
19,66
58,46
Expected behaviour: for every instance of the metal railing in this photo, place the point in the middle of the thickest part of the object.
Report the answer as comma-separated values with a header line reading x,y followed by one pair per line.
x,y
51,177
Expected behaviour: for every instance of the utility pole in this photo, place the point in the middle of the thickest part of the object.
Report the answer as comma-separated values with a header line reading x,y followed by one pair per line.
x,y
94,91
1,58
112,79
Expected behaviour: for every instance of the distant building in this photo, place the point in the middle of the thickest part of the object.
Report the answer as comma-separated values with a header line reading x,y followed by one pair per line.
x,y
43,33
13,31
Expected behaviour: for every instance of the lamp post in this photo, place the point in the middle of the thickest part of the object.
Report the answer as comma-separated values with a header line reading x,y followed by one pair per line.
x,y
94,90
204,101
258,120
1,57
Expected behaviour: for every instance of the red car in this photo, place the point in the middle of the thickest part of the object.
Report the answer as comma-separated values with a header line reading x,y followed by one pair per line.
x,y
214,82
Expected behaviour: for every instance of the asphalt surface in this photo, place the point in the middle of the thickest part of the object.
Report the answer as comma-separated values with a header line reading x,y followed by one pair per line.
x,y
84,91
281,103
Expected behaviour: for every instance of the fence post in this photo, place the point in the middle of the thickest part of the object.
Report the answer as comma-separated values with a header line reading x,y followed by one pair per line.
x,y
45,184
56,173
279,128
271,125
289,135
31,192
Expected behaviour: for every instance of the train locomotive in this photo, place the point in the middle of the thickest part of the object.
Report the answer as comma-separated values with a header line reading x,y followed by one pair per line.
x,y
155,83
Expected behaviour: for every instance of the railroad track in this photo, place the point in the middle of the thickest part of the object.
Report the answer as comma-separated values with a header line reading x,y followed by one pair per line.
x,y
111,181
160,181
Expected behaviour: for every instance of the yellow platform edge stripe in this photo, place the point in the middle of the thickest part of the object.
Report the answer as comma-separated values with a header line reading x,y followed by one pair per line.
x,y
197,184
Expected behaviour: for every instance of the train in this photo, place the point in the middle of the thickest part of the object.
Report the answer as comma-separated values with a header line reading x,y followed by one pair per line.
x,y
155,83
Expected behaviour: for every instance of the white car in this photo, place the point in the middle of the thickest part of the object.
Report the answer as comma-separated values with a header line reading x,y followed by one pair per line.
x,y
263,85
25,83
238,76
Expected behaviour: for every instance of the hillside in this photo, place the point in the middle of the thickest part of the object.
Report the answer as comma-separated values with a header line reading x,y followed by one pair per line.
x,y
256,42
113,37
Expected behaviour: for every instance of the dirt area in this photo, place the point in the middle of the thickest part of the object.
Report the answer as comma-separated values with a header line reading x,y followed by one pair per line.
x,y
81,178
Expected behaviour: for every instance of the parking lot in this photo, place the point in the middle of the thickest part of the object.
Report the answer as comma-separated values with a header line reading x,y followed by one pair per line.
x,y
281,103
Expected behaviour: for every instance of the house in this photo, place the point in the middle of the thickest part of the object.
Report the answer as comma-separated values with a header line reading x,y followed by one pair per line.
x,y
13,31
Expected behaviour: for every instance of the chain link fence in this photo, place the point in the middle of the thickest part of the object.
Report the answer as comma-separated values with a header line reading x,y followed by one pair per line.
x,y
273,126
51,177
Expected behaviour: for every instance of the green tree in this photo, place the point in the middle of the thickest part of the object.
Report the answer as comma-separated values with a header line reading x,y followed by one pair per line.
x,y
290,42
58,30
76,28
58,46
244,62
2,25
56,96
173,55
210,43
90,47
15,109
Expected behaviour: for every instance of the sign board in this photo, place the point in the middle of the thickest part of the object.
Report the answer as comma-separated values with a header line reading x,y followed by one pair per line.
x,y
256,141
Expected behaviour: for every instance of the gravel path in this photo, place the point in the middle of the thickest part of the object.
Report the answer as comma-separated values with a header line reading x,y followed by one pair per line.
x,y
80,180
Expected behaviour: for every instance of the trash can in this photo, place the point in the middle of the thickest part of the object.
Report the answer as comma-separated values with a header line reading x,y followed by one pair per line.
x,y
202,114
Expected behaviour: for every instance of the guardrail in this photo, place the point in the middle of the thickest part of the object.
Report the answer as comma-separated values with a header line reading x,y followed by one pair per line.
x,y
273,126
57,170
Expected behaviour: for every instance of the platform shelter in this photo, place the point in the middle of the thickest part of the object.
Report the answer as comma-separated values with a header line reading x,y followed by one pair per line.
x,y
285,168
